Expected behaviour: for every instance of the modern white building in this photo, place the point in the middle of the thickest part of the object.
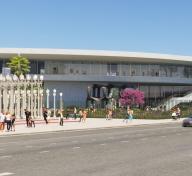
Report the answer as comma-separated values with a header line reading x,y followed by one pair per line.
x,y
72,71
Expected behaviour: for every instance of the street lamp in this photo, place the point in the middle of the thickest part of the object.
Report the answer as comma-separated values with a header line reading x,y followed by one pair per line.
x,y
17,94
41,103
35,103
47,92
61,100
28,100
54,103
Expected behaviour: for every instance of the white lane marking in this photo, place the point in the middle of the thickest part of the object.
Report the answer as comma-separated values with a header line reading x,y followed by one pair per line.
x,y
74,141
76,147
110,137
124,141
6,173
143,139
29,146
102,144
163,136
44,151
52,144
178,134
6,156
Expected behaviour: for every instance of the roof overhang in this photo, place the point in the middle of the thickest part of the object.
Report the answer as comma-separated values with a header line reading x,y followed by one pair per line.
x,y
94,55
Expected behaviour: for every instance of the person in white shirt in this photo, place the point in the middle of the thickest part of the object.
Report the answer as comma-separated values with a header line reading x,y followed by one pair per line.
x,y
2,121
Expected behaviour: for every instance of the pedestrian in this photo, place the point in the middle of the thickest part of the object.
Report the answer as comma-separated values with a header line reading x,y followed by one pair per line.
x,y
13,117
31,122
130,114
178,112
27,115
126,116
80,115
8,121
75,113
2,121
84,115
110,112
174,115
45,115
60,113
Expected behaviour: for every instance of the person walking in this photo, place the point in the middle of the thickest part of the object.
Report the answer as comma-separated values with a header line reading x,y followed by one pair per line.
x,y
84,115
75,113
130,114
126,116
2,121
60,113
31,122
8,121
80,115
27,115
13,117
45,115
178,113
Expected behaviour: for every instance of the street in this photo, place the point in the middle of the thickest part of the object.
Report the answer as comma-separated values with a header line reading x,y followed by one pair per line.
x,y
148,150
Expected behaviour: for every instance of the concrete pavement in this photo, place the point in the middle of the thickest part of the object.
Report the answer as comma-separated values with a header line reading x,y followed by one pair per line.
x,y
145,150
91,123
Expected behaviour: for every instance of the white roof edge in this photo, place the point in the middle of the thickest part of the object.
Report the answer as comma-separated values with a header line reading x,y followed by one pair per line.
x,y
47,51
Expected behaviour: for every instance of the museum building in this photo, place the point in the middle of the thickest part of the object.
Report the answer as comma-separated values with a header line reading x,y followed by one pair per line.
x,y
72,71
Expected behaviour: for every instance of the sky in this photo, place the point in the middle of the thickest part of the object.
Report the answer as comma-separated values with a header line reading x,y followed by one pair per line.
x,y
158,26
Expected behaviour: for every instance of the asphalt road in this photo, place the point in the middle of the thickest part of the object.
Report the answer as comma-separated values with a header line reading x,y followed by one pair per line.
x,y
150,150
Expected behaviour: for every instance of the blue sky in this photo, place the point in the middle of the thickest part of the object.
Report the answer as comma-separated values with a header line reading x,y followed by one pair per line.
x,y
161,26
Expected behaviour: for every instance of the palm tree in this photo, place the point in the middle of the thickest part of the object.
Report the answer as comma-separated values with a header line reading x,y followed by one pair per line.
x,y
19,65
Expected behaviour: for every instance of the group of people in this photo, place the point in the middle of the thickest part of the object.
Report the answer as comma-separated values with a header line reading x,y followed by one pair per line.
x,y
82,115
176,113
128,116
29,119
8,120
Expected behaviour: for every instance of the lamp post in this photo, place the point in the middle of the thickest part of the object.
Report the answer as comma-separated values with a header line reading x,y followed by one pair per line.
x,y
41,103
35,103
17,94
28,100
54,103
39,96
61,100
47,92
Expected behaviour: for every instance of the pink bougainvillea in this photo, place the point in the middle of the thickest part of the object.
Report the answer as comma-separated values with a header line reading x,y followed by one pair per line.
x,y
130,97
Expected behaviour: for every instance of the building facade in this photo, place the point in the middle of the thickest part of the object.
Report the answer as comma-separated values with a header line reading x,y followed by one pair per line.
x,y
73,71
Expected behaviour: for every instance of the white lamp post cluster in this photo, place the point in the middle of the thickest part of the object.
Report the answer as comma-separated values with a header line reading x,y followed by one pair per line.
x,y
19,93
54,100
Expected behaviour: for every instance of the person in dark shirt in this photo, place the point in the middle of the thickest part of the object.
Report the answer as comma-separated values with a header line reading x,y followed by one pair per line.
x,y
27,115
45,115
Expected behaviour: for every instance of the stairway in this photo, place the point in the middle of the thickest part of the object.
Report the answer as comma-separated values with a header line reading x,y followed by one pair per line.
x,y
174,101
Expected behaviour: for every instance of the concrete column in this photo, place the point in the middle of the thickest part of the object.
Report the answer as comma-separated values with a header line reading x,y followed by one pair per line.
x,y
18,112
35,105
32,103
5,99
11,107
38,101
0,99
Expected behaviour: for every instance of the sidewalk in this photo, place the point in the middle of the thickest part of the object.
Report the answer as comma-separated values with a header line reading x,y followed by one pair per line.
x,y
91,123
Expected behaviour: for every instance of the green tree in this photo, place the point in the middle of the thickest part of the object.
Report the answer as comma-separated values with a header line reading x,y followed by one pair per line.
x,y
19,65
